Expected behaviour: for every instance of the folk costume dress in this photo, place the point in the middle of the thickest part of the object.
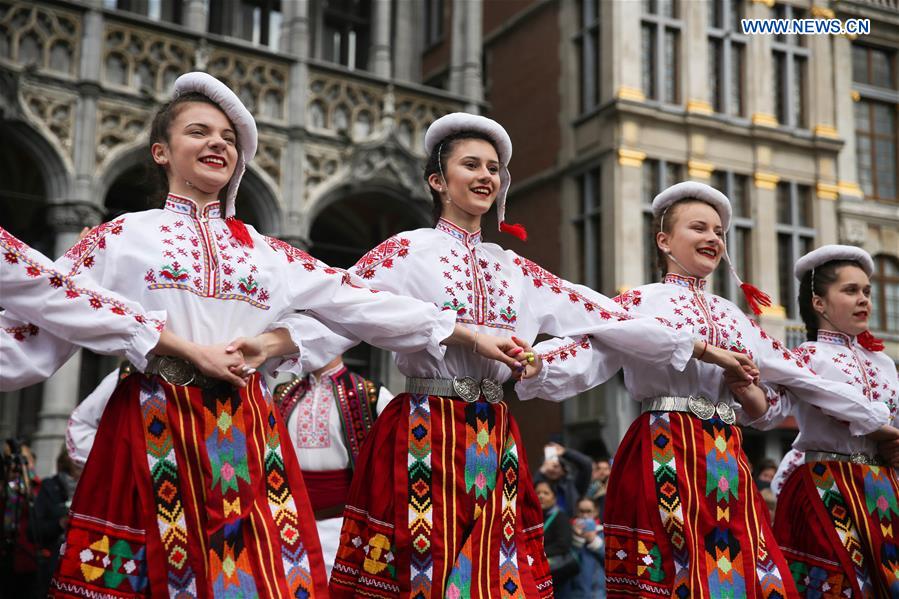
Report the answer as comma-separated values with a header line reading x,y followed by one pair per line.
x,y
189,490
46,312
838,521
683,517
328,417
442,502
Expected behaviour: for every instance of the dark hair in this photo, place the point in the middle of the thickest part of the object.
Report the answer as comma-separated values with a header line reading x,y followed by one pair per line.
x,y
445,149
156,176
825,276
668,219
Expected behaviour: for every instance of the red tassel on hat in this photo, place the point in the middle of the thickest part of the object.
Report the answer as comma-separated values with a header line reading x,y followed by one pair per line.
x,y
870,342
239,231
517,230
755,297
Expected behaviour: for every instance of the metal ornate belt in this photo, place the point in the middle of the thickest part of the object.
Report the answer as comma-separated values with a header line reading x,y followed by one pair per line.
x,y
854,458
180,372
701,407
465,387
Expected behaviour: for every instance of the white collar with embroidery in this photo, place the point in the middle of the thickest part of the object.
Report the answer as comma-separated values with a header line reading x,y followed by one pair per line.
x,y
691,283
187,207
327,373
469,239
835,337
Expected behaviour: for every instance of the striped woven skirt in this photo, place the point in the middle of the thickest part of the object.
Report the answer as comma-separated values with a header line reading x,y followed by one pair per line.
x,y
838,525
442,505
684,518
188,492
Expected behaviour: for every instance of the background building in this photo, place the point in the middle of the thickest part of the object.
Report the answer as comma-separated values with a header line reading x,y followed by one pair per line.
x,y
607,102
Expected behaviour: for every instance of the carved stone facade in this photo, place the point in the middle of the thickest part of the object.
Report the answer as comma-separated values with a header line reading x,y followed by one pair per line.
x,y
41,36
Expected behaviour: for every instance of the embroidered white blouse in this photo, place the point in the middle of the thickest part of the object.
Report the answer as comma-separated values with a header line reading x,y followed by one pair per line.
x,y
184,260
498,292
315,427
46,311
572,366
839,357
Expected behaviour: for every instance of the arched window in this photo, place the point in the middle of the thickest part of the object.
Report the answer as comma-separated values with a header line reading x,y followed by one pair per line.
x,y
885,294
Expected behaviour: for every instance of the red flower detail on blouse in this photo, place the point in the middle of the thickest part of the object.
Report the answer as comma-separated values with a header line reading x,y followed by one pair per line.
x,y
382,256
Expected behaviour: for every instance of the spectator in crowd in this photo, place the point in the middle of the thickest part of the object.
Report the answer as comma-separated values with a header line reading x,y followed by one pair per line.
x,y
557,542
51,517
764,473
18,567
602,469
589,547
770,500
568,473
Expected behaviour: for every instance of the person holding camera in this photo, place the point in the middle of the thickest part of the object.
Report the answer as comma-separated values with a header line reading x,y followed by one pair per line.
x,y
589,547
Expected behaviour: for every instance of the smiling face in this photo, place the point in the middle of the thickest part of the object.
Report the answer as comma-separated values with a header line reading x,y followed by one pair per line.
x,y
694,237
472,180
200,154
846,303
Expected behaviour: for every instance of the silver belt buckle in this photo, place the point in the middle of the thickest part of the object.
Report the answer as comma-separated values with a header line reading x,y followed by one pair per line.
x,y
492,390
175,372
859,458
467,388
726,413
700,407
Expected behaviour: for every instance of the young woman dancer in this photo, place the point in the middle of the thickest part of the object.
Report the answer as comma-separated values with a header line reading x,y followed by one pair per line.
x,y
683,516
188,491
837,516
46,312
442,502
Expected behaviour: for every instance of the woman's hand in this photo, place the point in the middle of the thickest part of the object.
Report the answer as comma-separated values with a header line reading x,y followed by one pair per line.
x,y
216,362
260,348
739,366
527,358
500,349
747,392
889,451
884,433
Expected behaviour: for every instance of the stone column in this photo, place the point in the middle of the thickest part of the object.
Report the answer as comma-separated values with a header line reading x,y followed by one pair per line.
x,y
408,42
380,43
80,205
195,15
695,58
625,51
844,99
295,35
759,70
764,246
472,83
457,46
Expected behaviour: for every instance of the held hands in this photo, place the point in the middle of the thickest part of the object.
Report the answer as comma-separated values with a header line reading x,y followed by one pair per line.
x,y
738,366
502,349
216,362
889,451
530,363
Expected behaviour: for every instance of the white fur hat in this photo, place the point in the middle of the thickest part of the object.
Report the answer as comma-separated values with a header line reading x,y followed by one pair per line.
x,y
829,253
693,190
236,112
458,122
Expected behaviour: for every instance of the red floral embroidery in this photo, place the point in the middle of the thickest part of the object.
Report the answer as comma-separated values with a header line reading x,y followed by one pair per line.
x,y
382,256
568,350
629,299
20,333
541,277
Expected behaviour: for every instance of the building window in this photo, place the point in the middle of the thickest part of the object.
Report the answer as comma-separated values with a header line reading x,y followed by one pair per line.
x,y
346,32
588,226
795,237
587,41
661,27
739,238
657,175
885,294
433,22
256,21
727,55
790,55
158,10
877,158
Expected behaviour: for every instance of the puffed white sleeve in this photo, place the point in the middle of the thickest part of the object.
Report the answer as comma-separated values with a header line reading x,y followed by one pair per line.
x,y
317,343
85,419
29,355
342,301
565,309
843,402
68,300
570,366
